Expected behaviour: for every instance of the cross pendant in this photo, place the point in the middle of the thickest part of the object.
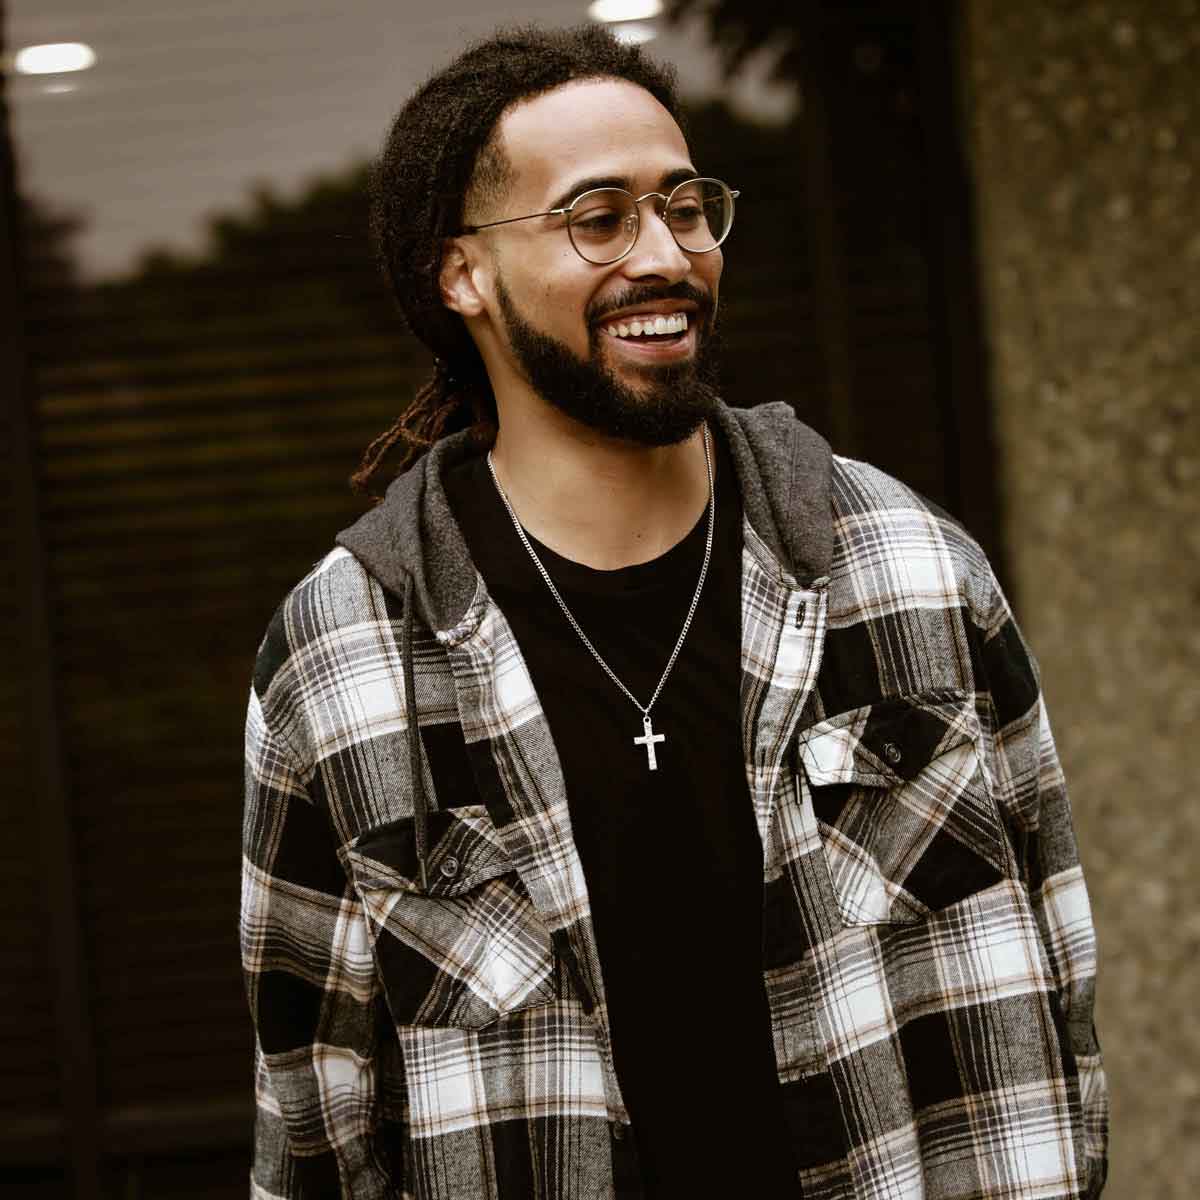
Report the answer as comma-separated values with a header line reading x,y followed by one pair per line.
x,y
648,740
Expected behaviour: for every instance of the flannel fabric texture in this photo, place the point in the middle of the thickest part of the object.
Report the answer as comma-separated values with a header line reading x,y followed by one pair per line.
x,y
928,951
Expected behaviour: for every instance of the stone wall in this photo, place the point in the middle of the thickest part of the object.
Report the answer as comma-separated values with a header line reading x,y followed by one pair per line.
x,y
1084,123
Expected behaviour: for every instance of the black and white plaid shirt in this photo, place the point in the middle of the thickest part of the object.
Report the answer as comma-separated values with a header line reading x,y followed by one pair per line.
x,y
928,956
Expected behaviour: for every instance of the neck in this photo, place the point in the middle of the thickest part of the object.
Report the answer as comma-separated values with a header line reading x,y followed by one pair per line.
x,y
597,500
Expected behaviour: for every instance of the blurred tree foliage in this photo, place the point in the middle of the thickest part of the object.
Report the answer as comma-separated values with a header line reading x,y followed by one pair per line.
x,y
740,29
46,236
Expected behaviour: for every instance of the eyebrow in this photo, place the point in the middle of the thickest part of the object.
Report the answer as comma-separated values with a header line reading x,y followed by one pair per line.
x,y
665,183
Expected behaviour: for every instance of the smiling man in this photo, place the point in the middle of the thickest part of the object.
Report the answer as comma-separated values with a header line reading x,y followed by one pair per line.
x,y
642,801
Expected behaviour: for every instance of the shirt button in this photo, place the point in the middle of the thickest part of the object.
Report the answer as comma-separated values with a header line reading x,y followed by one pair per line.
x,y
619,1132
800,611
892,753
449,867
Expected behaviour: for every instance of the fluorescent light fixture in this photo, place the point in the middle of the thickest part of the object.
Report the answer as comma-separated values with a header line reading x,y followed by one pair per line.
x,y
54,58
634,33
625,10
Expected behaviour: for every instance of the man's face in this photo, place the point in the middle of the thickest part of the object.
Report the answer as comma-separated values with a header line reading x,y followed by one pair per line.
x,y
559,314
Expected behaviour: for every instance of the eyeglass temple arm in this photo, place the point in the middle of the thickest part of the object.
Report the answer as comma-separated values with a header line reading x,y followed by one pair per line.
x,y
552,212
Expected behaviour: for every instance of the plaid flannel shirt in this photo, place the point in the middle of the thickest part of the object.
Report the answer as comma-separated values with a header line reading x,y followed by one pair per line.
x,y
427,997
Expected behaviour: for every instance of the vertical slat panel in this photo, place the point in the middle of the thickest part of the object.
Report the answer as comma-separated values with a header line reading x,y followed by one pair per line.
x,y
54,900
827,232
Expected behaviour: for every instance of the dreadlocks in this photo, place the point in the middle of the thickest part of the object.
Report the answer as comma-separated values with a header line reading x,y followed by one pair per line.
x,y
441,151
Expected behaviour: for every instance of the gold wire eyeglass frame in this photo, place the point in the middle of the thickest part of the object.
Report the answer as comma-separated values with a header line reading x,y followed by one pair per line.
x,y
665,207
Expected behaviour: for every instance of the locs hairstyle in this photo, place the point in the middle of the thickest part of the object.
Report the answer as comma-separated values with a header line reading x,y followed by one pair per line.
x,y
441,148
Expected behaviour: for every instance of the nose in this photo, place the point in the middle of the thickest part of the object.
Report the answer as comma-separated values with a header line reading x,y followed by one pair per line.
x,y
656,252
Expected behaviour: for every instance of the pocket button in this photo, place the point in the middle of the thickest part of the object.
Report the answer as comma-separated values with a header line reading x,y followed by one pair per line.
x,y
892,753
449,867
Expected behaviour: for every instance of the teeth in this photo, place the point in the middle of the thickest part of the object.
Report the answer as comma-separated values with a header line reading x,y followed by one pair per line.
x,y
676,323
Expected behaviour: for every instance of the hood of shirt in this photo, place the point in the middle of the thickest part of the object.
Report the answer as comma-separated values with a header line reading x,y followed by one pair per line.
x,y
411,542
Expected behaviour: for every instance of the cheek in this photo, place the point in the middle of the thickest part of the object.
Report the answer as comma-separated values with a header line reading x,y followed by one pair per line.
x,y
553,292
710,268
558,289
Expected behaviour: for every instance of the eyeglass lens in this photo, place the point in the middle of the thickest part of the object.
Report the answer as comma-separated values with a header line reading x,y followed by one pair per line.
x,y
603,224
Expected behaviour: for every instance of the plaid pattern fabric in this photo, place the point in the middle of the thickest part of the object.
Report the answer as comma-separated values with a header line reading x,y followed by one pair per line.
x,y
928,952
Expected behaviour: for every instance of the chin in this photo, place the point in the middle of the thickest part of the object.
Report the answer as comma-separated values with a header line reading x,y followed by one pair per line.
x,y
655,404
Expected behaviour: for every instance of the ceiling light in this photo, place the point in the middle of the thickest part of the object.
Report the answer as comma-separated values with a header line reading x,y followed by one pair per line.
x,y
624,10
54,58
634,33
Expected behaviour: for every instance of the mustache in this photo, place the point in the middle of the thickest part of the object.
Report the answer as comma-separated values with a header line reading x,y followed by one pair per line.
x,y
631,297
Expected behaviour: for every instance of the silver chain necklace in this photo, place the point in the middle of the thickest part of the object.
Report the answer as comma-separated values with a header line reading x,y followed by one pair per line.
x,y
649,738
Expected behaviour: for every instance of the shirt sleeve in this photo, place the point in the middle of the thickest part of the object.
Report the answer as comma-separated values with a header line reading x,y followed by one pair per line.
x,y
311,986
1040,815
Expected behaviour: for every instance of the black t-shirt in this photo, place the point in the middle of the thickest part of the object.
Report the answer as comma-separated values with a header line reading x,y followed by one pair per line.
x,y
672,859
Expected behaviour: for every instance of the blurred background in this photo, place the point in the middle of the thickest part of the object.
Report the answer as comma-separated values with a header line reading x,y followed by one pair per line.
x,y
968,250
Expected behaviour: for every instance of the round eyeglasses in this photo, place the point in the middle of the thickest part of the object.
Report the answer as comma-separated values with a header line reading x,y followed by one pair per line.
x,y
603,224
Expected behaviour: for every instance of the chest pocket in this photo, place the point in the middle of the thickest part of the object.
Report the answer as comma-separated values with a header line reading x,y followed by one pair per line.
x,y
907,820
470,947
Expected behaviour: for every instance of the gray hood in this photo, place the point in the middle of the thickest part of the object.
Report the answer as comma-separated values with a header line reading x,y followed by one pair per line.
x,y
783,469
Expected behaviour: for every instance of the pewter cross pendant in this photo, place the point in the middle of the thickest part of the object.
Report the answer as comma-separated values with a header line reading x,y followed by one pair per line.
x,y
648,741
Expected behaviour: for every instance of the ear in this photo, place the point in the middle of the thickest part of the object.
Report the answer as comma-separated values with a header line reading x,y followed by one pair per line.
x,y
460,279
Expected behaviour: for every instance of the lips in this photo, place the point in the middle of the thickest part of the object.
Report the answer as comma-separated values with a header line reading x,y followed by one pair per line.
x,y
642,302
652,348
629,326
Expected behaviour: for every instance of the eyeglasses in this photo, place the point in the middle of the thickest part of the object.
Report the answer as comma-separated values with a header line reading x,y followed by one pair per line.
x,y
603,224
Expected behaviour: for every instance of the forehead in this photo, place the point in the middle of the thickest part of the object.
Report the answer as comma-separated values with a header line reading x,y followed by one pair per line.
x,y
589,129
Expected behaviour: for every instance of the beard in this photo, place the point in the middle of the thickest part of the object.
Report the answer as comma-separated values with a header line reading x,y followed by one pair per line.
x,y
671,405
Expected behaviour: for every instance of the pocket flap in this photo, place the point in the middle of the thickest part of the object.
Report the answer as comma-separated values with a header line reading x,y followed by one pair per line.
x,y
464,850
888,742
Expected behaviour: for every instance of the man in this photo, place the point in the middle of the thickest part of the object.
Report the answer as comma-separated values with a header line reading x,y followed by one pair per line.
x,y
642,801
